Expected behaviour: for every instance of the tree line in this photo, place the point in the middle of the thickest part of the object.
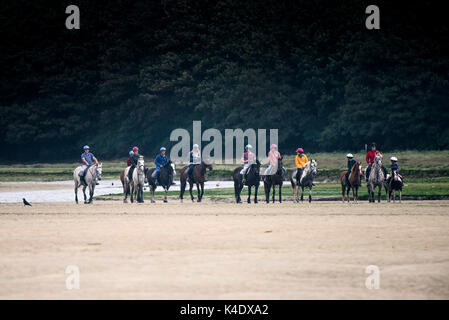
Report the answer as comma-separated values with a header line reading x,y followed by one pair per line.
x,y
136,70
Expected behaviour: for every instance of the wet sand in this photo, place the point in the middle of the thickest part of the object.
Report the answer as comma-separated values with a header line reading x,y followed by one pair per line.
x,y
225,251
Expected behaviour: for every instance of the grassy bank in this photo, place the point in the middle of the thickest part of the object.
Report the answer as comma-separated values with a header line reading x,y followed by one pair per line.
x,y
437,189
414,165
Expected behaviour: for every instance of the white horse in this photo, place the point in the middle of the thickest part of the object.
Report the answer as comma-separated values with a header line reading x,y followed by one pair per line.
x,y
305,181
90,177
135,186
376,178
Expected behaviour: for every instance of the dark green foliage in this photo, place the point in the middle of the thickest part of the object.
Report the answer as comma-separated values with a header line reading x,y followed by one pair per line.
x,y
139,69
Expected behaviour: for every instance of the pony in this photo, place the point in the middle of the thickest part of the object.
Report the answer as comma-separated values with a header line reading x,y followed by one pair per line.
x,y
252,180
90,177
134,188
376,178
165,179
272,181
394,183
199,176
306,180
354,182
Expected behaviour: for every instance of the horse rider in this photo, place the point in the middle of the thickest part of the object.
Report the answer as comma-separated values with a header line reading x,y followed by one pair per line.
x,y
351,163
248,159
87,159
300,162
394,166
129,162
134,160
273,156
194,160
161,160
370,156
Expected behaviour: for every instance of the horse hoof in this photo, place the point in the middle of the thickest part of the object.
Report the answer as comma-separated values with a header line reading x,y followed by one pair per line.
x,y
164,201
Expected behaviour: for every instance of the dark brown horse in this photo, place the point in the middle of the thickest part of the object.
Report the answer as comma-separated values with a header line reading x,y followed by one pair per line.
x,y
199,176
252,180
354,182
271,181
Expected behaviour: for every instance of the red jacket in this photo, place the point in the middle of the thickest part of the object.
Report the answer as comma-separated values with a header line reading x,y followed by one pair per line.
x,y
370,156
129,162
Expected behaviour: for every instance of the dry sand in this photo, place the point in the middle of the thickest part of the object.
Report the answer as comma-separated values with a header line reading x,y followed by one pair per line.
x,y
225,251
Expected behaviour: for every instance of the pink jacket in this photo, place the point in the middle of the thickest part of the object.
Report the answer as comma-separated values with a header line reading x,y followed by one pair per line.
x,y
273,157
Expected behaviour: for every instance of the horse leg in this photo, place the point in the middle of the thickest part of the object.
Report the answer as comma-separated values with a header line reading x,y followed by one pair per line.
x,y
343,193
280,194
132,193
255,193
249,194
394,196
76,192
239,192
165,196
202,190
310,194
274,193
183,189
84,193
198,192
400,195
236,192
302,194
379,194
190,190
266,188
91,191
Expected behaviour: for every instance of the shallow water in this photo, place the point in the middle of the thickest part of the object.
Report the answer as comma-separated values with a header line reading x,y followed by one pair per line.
x,y
63,194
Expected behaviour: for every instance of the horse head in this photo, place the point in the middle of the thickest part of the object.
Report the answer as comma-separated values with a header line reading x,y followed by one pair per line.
x,y
141,165
313,166
99,170
378,159
207,164
256,167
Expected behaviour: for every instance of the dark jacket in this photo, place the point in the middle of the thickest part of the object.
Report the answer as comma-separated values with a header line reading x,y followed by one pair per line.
x,y
135,159
351,164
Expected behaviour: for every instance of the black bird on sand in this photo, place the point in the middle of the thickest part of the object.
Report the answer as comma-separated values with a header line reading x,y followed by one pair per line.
x,y
26,203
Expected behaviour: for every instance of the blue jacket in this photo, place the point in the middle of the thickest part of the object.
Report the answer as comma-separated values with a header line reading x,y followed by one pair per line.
x,y
160,160
395,166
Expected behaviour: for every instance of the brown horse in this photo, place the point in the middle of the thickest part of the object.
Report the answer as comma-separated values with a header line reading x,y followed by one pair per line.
x,y
199,174
354,182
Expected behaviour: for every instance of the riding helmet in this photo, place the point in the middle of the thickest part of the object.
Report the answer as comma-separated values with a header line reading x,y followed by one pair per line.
x,y
135,149
86,147
162,149
300,150
131,153
394,159
248,146
349,155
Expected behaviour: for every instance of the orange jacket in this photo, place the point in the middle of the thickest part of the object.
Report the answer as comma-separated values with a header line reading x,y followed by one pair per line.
x,y
301,161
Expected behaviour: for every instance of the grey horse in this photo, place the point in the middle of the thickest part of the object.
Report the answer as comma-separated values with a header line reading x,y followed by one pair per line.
x,y
306,180
376,178
93,173
135,186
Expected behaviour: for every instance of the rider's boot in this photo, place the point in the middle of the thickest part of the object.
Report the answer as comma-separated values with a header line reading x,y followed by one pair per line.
x,y
244,179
